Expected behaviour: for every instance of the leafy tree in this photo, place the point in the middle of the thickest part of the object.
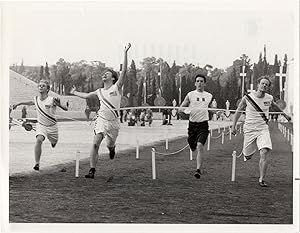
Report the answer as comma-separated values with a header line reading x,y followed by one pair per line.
x,y
22,68
130,85
173,71
140,84
47,73
42,73
150,66
53,79
63,76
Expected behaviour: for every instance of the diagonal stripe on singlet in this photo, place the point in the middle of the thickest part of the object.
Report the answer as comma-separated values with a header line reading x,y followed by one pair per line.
x,y
50,118
108,104
257,108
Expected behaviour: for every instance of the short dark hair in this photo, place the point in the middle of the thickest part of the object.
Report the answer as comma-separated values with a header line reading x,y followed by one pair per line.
x,y
201,76
114,75
264,77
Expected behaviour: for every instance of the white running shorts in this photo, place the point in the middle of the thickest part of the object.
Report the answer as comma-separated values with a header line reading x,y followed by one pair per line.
x,y
110,130
50,132
256,139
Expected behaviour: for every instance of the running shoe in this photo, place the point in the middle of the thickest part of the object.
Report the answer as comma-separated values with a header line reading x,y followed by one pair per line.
x,y
262,184
112,152
197,174
36,167
246,158
90,175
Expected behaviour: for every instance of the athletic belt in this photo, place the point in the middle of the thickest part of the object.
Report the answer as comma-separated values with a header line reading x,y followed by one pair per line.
x,y
108,104
257,108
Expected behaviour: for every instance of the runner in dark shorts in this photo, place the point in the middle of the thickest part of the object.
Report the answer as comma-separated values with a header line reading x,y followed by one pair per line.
x,y
197,132
198,102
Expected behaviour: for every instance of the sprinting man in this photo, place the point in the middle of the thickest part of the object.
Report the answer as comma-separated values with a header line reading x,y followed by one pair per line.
x,y
256,129
107,123
46,126
198,101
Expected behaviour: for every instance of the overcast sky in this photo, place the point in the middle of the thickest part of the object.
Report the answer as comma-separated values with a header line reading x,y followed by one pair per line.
x,y
198,32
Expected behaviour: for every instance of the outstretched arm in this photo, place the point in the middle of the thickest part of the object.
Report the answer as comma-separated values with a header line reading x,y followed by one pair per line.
x,y
120,81
277,109
82,94
22,103
238,113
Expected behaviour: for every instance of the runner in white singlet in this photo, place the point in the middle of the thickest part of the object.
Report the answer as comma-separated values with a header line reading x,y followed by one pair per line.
x,y
198,101
107,123
256,128
46,126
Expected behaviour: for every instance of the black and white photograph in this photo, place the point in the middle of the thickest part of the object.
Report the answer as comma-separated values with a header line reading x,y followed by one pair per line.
x,y
150,116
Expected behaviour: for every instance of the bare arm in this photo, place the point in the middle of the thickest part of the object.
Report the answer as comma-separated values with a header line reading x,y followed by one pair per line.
x,y
82,94
120,81
23,103
238,113
210,105
277,109
185,103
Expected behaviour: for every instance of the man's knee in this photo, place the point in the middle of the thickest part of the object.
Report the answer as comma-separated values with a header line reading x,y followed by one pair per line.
x,y
200,146
40,139
264,152
97,141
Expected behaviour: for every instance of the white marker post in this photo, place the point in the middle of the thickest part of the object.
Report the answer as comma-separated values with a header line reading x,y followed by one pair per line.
x,y
137,154
153,164
191,154
233,165
77,164
167,140
223,137
230,133
208,141
288,135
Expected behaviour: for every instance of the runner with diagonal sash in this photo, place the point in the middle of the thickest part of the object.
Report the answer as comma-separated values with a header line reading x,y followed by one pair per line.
x,y
107,123
46,126
256,129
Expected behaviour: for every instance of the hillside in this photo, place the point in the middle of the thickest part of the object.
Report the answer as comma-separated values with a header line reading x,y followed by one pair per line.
x,y
22,89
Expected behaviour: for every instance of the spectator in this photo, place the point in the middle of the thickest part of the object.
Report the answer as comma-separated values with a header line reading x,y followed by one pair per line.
x,y
24,112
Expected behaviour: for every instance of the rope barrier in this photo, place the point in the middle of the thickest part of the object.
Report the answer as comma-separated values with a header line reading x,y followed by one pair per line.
x,y
173,153
184,108
217,136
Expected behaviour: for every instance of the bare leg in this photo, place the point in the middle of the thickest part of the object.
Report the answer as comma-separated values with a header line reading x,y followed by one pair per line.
x,y
95,148
38,148
263,163
199,157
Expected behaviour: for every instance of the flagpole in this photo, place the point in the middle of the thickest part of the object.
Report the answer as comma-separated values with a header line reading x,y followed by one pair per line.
x,y
145,91
243,80
179,102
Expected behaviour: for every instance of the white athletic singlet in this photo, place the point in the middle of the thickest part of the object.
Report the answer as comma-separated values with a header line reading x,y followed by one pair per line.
x,y
199,100
45,111
254,120
110,102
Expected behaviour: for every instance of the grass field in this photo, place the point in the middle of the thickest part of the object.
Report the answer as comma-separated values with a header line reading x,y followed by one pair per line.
x,y
123,190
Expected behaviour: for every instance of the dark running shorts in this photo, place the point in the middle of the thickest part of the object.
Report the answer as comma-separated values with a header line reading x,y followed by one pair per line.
x,y
197,132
